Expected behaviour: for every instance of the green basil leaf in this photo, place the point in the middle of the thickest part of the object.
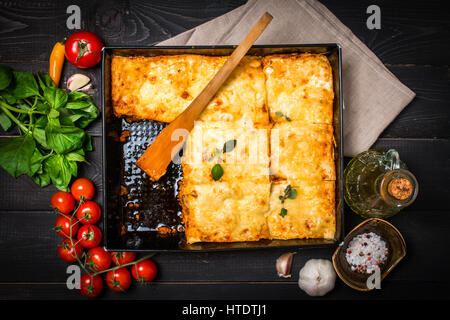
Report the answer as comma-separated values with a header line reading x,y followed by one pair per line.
x,y
6,76
53,114
42,179
88,143
9,98
64,139
45,80
74,156
59,170
15,155
40,137
293,194
287,191
55,97
36,162
25,85
217,172
283,212
5,122
279,114
78,95
229,145
80,104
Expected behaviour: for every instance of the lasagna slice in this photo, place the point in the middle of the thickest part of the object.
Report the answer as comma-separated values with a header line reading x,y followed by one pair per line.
x,y
299,88
301,151
310,214
160,88
242,152
225,212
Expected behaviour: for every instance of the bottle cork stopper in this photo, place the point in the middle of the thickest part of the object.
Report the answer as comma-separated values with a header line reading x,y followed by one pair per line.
x,y
400,188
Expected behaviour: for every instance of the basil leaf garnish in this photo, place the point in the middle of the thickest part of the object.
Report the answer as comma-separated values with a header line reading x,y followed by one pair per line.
x,y
229,146
217,172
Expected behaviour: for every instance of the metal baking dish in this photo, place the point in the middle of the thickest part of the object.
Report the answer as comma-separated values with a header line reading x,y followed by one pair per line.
x,y
132,218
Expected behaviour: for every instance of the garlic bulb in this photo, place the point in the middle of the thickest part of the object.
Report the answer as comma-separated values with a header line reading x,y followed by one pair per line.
x,y
317,277
284,264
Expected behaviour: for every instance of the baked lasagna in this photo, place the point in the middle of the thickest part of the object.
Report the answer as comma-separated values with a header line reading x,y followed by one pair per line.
x,y
259,162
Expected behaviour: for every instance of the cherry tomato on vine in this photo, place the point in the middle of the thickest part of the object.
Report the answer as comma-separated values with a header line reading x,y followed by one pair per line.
x,y
89,236
83,49
144,271
62,226
67,252
82,188
91,286
63,202
118,280
89,212
121,258
98,259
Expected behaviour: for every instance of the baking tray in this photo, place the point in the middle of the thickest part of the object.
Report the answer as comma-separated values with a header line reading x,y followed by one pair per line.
x,y
132,216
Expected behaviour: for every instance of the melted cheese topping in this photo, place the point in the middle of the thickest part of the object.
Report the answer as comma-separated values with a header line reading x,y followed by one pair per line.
x,y
244,205
160,88
247,161
225,212
299,87
310,215
301,151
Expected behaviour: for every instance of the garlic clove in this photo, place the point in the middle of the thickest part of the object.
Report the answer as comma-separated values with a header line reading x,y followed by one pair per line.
x,y
317,277
86,88
284,264
77,81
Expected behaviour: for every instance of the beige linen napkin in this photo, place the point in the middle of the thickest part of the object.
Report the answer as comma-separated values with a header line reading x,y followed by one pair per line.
x,y
373,95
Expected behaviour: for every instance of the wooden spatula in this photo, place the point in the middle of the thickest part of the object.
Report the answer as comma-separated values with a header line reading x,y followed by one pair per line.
x,y
168,143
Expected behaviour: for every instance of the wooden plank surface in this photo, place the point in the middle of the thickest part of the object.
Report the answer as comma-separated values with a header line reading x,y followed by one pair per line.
x,y
413,42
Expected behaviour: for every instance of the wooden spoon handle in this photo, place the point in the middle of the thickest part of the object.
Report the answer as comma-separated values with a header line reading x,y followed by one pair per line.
x,y
169,142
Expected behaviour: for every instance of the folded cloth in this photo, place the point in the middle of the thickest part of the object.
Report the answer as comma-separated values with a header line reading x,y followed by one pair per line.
x,y
373,95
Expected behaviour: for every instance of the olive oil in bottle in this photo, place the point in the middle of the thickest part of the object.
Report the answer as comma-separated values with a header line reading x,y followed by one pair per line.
x,y
378,185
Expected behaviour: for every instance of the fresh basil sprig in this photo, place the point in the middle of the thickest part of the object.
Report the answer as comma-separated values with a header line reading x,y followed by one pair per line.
x,y
289,193
217,170
50,123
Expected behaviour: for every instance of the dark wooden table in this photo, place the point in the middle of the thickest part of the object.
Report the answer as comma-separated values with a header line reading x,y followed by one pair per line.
x,y
413,43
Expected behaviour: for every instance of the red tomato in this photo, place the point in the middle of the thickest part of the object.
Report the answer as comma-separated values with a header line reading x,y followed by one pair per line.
x,y
118,280
144,271
91,286
89,212
98,259
90,236
62,226
83,49
82,189
63,202
66,251
121,258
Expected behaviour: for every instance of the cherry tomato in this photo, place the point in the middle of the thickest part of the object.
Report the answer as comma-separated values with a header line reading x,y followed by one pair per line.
x,y
98,259
63,202
83,49
121,258
89,236
118,280
89,212
66,251
62,226
91,286
144,271
82,188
